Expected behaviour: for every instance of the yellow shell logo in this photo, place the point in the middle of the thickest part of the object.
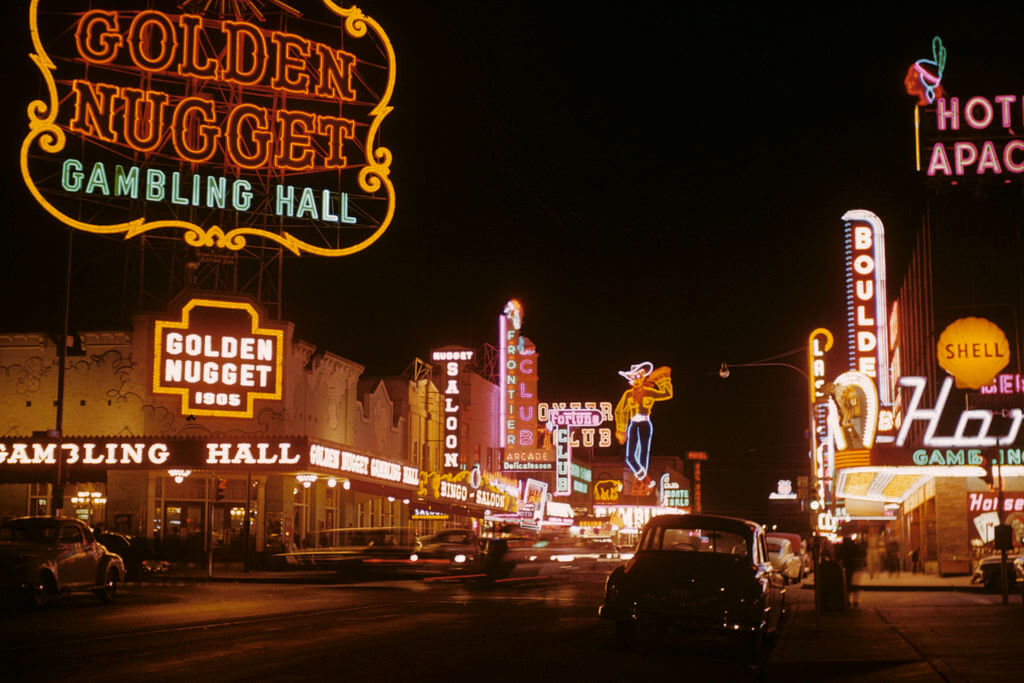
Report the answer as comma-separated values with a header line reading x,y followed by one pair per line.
x,y
973,350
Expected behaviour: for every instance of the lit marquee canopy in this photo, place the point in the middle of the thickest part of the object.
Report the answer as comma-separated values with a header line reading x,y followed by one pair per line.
x,y
171,116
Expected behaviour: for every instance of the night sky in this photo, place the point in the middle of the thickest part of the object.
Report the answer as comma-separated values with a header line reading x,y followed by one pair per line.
x,y
653,181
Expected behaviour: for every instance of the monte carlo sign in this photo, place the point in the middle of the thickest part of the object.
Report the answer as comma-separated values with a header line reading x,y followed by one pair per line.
x,y
218,358
221,126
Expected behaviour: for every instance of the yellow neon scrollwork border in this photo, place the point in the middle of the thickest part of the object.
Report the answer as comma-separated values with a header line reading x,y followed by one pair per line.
x,y
375,175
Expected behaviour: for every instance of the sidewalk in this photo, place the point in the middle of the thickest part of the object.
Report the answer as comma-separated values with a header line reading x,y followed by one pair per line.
x,y
852,644
905,581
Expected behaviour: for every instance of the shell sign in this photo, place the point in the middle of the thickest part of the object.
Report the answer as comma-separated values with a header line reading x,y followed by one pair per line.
x,y
973,350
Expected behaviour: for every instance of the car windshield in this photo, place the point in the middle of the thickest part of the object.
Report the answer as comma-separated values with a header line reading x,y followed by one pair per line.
x,y
29,531
693,540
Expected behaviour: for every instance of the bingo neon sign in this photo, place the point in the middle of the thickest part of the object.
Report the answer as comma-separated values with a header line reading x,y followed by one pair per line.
x,y
220,128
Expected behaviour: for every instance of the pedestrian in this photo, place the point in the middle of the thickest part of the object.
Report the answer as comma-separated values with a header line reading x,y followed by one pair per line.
x,y
849,555
892,557
915,556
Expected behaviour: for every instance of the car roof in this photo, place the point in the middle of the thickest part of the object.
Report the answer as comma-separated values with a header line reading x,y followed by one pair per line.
x,y
703,522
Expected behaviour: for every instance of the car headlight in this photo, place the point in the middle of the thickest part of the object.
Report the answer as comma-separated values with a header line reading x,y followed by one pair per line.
x,y
414,557
459,558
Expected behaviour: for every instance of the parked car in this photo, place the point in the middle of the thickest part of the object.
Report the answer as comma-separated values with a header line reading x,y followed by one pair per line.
x,y
987,571
799,549
128,548
698,575
448,551
785,561
41,557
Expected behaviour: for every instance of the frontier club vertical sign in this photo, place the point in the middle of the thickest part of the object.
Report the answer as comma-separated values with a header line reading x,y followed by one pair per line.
x,y
518,377
453,363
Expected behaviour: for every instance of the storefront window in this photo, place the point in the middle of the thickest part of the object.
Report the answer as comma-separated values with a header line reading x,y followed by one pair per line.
x,y
38,499
332,508
300,522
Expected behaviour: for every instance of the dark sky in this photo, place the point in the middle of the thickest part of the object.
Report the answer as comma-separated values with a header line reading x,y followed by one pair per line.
x,y
654,181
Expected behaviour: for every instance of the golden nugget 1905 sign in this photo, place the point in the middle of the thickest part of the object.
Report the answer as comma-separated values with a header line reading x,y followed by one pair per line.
x,y
259,122
218,358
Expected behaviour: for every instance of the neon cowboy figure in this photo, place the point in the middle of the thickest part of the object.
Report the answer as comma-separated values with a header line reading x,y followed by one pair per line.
x,y
633,413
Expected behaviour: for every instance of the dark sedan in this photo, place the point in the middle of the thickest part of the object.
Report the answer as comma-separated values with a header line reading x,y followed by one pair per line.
x,y
698,575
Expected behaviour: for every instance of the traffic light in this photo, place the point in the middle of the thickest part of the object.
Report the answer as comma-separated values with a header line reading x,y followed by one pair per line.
x,y
222,488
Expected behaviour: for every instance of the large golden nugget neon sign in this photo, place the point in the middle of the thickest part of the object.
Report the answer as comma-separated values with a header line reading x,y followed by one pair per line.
x,y
222,129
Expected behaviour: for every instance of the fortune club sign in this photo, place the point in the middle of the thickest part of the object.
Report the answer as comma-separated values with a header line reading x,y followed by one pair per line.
x,y
218,127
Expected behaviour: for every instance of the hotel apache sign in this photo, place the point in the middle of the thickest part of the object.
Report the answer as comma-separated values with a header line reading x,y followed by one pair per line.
x,y
970,137
218,358
174,116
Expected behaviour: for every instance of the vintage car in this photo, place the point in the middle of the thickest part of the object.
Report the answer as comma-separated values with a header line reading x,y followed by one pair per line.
x,y
44,556
697,575
987,571
448,551
782,557
799,547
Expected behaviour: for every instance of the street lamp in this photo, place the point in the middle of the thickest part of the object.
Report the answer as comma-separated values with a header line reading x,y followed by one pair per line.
x,y
814,352
90,499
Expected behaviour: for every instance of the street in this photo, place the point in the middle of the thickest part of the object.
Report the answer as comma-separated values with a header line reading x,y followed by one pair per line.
x,y
416,630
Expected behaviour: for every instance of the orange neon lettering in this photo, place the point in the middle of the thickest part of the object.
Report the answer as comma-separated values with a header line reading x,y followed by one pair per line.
x,y
97,37
190,45
337,130
257,121
289,73
143,118
244,39
334,78
151,29
294,143
94,110
183,128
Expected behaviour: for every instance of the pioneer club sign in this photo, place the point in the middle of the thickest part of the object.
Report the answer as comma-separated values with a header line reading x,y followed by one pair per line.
x,y
218,358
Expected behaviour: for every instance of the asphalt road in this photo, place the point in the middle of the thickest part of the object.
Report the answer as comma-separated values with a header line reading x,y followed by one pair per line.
x,y
416,631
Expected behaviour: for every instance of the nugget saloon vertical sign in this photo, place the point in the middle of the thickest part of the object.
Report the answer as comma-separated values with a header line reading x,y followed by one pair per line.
x,y
220,125
218,358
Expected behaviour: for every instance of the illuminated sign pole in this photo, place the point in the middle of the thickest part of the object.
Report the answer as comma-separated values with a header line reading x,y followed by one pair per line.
x,y
561,423
697,457
518,378
453,362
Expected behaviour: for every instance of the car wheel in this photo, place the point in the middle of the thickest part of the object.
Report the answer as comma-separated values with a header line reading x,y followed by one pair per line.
x,y
753,648
108,591
625,634
42,590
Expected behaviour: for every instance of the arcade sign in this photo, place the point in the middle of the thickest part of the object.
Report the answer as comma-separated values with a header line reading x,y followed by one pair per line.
x,y
160,118
218,358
